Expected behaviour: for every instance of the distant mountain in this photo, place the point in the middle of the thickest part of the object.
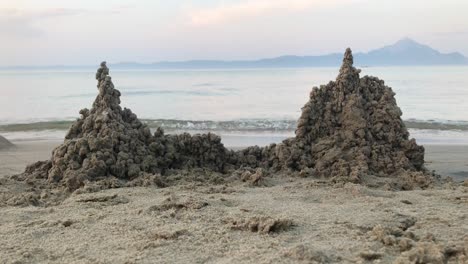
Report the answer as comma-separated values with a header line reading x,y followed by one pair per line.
x,y
408,52
278,62
405,52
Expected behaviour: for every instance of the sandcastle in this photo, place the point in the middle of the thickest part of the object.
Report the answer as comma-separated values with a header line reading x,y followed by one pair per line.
x,y
110,141
349,128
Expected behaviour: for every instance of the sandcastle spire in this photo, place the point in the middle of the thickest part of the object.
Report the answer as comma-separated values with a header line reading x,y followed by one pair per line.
x,y
108,96
348,76
347,59
101,73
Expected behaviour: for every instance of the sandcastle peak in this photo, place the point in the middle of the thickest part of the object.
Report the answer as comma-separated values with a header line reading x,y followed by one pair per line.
x,y
102,73
348,74
348,57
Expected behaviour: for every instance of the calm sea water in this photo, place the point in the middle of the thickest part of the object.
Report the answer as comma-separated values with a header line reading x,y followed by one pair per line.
x,y
423,93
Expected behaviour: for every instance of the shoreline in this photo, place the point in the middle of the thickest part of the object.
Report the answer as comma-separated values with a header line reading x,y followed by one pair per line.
x,y
243,137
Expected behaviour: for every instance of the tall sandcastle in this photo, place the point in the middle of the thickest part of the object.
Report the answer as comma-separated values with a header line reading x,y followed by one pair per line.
x,y
349,129
110,141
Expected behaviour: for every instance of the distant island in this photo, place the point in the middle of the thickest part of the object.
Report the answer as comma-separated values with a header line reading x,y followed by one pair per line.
x,y
405,52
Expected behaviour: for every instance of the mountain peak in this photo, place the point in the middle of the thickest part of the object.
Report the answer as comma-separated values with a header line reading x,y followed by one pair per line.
x,y
406,48
406,41
408,44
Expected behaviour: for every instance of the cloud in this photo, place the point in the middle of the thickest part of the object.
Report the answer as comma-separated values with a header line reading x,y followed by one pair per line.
x,y
24,22
24,14
452,33
21,23
253,8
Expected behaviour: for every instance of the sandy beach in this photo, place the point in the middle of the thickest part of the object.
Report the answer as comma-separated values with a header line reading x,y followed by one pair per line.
x,y
351,186
240,131
284,220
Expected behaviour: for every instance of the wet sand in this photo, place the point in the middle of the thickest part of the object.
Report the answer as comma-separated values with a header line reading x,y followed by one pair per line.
x,y
285,220
14,160
448,160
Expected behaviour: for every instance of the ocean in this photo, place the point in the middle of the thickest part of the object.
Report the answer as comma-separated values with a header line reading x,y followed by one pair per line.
x,y
245,106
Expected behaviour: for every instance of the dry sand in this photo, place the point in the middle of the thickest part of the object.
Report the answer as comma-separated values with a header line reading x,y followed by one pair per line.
x,y
286,220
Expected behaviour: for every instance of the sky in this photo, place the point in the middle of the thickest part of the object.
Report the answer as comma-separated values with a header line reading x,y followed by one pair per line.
x,y
84,32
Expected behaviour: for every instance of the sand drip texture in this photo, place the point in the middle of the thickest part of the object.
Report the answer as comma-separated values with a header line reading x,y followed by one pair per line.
x,y
349,129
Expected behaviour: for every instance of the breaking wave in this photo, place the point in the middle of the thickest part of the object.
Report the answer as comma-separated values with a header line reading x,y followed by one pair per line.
x,y
251,125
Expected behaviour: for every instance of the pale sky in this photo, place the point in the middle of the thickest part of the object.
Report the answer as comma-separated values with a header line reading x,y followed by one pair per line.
x,y
50,32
